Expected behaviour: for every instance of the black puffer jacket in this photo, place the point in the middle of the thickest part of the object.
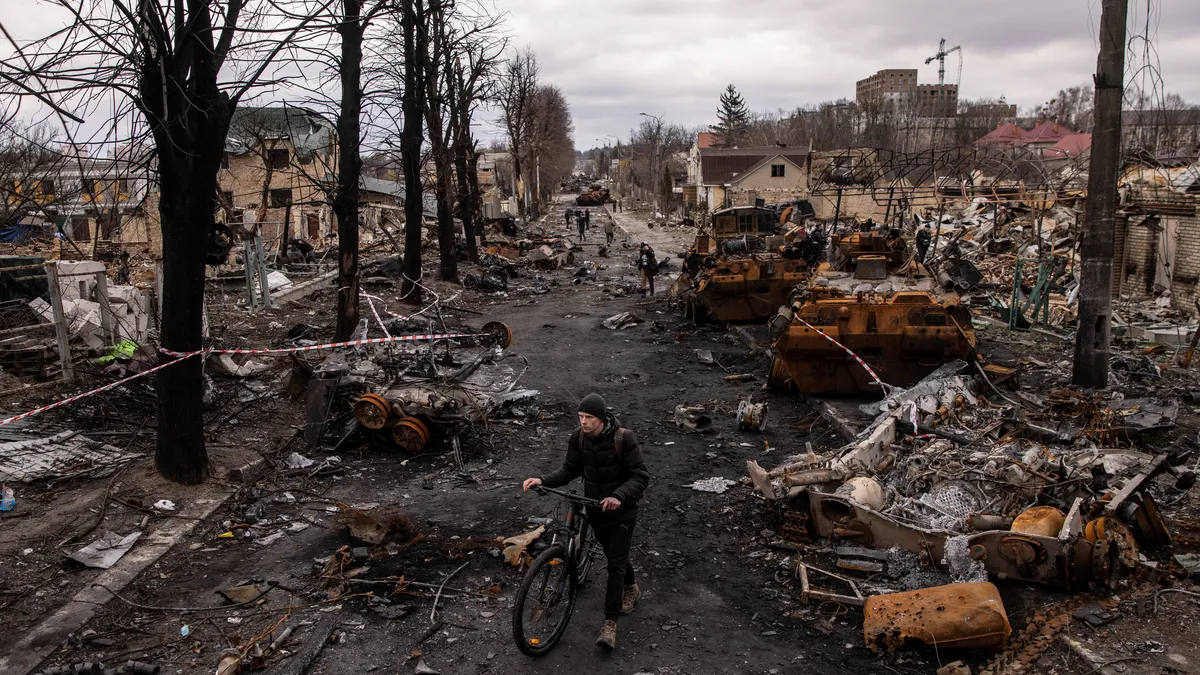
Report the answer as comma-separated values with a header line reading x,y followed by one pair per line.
x,y
604,473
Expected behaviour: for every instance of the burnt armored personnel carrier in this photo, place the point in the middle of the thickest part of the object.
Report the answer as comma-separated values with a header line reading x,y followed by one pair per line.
x,y
742,269
882,305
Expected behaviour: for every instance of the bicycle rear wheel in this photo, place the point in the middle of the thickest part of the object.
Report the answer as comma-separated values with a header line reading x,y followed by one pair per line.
x,y
544,602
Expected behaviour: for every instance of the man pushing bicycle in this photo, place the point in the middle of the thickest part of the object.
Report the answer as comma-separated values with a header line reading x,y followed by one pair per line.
x,y
610,462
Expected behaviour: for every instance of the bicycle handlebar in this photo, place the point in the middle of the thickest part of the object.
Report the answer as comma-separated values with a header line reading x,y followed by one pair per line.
x,y
569,496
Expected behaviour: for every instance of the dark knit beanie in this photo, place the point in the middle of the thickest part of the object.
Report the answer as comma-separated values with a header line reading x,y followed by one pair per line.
x,y
593,404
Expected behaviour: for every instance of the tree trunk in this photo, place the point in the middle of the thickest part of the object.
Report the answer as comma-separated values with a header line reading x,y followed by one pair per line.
x,y
185,209
448,270
345,202
1096,250
285,233
474,193
413,27
466,201
189,120
518,185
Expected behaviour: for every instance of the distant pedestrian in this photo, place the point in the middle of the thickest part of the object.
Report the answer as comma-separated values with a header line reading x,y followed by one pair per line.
x,y
648,264
579,222
923,239
610,230
587,217
619,203
568,213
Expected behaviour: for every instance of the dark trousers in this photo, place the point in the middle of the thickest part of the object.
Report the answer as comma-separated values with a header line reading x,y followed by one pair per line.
x,y
617,539
609,235
581,234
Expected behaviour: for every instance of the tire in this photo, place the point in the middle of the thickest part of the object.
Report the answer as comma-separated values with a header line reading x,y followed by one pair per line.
x,y
543,576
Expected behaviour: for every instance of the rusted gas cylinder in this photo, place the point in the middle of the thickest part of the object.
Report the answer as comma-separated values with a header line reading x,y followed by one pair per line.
x,y
1044,521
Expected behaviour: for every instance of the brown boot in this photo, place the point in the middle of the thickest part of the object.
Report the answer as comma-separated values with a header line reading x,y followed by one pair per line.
x,y
608,635
629,598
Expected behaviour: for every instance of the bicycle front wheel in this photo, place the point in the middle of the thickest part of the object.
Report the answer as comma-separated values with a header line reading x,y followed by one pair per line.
x,y
544,603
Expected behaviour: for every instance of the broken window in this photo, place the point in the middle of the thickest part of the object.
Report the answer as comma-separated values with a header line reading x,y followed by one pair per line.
x,y
281,197
224,160
777,170
226,199
48,187
279,158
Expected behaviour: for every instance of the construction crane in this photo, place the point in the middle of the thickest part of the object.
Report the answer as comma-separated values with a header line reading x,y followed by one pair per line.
x,y
941,55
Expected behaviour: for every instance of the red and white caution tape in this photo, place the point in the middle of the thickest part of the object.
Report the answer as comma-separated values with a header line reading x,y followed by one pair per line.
x,y
110,385
394,315
181,356
331,345
912,416
886,387
371,304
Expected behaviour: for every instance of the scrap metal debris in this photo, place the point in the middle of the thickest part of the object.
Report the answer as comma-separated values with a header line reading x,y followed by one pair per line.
x,y
514,547
716,484
104,552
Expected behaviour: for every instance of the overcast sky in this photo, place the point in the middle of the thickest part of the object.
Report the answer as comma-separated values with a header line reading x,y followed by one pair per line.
x,y
616,58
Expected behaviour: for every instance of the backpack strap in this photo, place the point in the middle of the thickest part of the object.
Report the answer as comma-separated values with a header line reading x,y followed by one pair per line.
x,y
619,441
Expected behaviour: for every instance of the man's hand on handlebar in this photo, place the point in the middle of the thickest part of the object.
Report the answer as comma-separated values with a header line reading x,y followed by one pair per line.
x,y
530,483
610,504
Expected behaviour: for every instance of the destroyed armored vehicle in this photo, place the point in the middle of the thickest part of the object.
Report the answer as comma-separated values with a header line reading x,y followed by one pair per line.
x,y
872,313
593,196
740,269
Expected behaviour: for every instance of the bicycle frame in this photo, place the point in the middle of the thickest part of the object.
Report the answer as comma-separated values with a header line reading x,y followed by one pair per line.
x,y
577,528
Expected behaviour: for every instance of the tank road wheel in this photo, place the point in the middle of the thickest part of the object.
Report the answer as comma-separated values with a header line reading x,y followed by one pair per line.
x,y
497,333
410,434
372,411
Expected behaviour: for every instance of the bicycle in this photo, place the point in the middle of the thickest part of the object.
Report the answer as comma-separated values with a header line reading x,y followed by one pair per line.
x,y
553,580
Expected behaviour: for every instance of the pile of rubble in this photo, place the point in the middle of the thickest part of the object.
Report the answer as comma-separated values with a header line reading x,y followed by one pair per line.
x,y
955,482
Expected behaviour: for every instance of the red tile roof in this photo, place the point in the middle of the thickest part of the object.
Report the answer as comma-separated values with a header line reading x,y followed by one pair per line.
x,y
1004,135
1047,132
707,139
1070,147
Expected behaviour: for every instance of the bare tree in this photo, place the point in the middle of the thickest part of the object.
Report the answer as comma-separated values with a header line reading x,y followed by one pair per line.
x,y
518,83
167,60
550,146
414,33
470,81
29,167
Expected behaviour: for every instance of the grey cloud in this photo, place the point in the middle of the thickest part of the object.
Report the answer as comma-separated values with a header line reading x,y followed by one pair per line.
x,y
617,58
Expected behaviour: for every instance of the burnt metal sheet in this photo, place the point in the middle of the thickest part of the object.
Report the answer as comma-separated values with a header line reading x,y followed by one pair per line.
x,y
955,616
67,453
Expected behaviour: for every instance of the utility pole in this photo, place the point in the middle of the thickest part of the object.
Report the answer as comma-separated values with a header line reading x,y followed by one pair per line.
x,y
1096,251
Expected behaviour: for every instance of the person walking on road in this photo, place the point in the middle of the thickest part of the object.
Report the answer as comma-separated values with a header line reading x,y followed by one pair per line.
x,y
608,458
579,222
567,214
648,264
610,230
587,218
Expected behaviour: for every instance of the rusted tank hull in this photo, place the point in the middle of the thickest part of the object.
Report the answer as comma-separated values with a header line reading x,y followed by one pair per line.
x,y
748,290
962,616
902,340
